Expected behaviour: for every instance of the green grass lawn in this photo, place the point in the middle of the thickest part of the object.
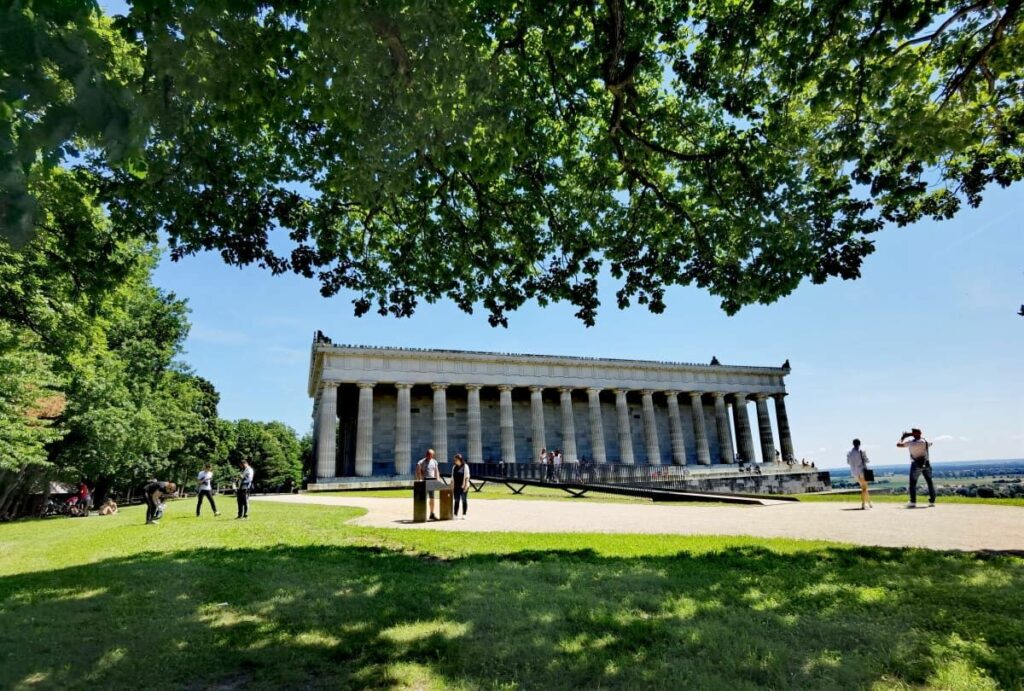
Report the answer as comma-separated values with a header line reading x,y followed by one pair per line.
x,y
295,598
922,499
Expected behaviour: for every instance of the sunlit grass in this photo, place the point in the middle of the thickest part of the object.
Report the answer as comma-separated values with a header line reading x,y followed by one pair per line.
x,y
922,499
296,598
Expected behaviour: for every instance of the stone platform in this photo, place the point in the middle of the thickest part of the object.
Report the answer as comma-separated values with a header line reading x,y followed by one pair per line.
x,y
341,484
771,479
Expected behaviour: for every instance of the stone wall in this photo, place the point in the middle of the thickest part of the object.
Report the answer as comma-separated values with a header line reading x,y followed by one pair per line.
x,y
775,483
422,426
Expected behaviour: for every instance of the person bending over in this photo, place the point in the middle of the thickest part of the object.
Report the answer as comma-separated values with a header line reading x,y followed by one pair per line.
x,y
153,494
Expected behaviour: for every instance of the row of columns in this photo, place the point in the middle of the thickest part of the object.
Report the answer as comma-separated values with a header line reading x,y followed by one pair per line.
x,y
327,412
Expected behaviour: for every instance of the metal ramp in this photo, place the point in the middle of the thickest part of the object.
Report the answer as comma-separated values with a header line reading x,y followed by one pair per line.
x,y
579,489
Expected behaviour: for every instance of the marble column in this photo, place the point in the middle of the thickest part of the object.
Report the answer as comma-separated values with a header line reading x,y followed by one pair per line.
x,y
441,423
364,431
403,431
675,429
327,431
537,419
764,429
724,433
508,439
568,427
650,429
785,437
596,426
475,438
625,434
700,432
744,438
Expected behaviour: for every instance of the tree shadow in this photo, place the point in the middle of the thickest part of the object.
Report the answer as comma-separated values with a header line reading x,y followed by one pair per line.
x,y
355,616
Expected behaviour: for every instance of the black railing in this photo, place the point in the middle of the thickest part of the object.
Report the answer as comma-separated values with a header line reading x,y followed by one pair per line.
x,y
578,473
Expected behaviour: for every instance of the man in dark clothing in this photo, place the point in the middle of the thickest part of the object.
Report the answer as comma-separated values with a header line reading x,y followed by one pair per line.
x,y
920,464
153,493
244,487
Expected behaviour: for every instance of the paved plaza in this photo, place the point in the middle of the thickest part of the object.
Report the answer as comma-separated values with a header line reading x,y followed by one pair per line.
x,y
947,526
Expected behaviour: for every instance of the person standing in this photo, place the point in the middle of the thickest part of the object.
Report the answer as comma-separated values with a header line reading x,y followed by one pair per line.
x,y
920,464
153,494
858,462
558,465
574,469
204,488
244,487
460,485
427,471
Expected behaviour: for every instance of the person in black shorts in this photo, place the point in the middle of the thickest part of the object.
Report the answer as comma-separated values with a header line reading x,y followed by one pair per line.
x,y
153,494
427,470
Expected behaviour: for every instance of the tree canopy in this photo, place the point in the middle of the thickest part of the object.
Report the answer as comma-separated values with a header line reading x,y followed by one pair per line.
x,y
492,152
91,384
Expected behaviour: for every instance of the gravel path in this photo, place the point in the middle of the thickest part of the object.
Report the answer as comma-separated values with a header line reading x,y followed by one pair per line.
x,y
947,526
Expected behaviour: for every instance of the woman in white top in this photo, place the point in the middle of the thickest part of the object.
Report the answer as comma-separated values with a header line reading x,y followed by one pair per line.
x,y
858,461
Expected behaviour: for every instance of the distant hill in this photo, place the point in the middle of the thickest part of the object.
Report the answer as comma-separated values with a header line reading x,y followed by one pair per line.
x,y
989,467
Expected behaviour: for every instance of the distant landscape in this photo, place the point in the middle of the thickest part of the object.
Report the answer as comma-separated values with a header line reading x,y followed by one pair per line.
x,y
984,478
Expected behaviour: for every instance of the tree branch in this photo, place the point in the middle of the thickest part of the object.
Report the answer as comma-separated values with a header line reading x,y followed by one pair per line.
x,y
672,153
387,31
945,25
1012,8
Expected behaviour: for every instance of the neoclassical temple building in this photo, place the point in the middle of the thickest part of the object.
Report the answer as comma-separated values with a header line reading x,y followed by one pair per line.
x,y
376,410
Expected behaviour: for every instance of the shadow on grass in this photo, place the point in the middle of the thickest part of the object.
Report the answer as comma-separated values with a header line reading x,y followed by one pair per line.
x,y
346,616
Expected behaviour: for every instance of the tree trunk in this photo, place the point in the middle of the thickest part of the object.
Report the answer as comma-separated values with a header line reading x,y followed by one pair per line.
x,y
9,495
104,483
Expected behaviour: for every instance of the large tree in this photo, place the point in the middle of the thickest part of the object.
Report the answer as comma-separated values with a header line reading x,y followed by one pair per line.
x,y
492,151
272,448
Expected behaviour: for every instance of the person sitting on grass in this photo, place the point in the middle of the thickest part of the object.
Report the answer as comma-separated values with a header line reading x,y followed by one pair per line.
x,y
82,497
108,508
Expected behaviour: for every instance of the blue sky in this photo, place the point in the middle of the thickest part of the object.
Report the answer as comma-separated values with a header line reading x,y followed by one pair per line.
x,y
927,338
